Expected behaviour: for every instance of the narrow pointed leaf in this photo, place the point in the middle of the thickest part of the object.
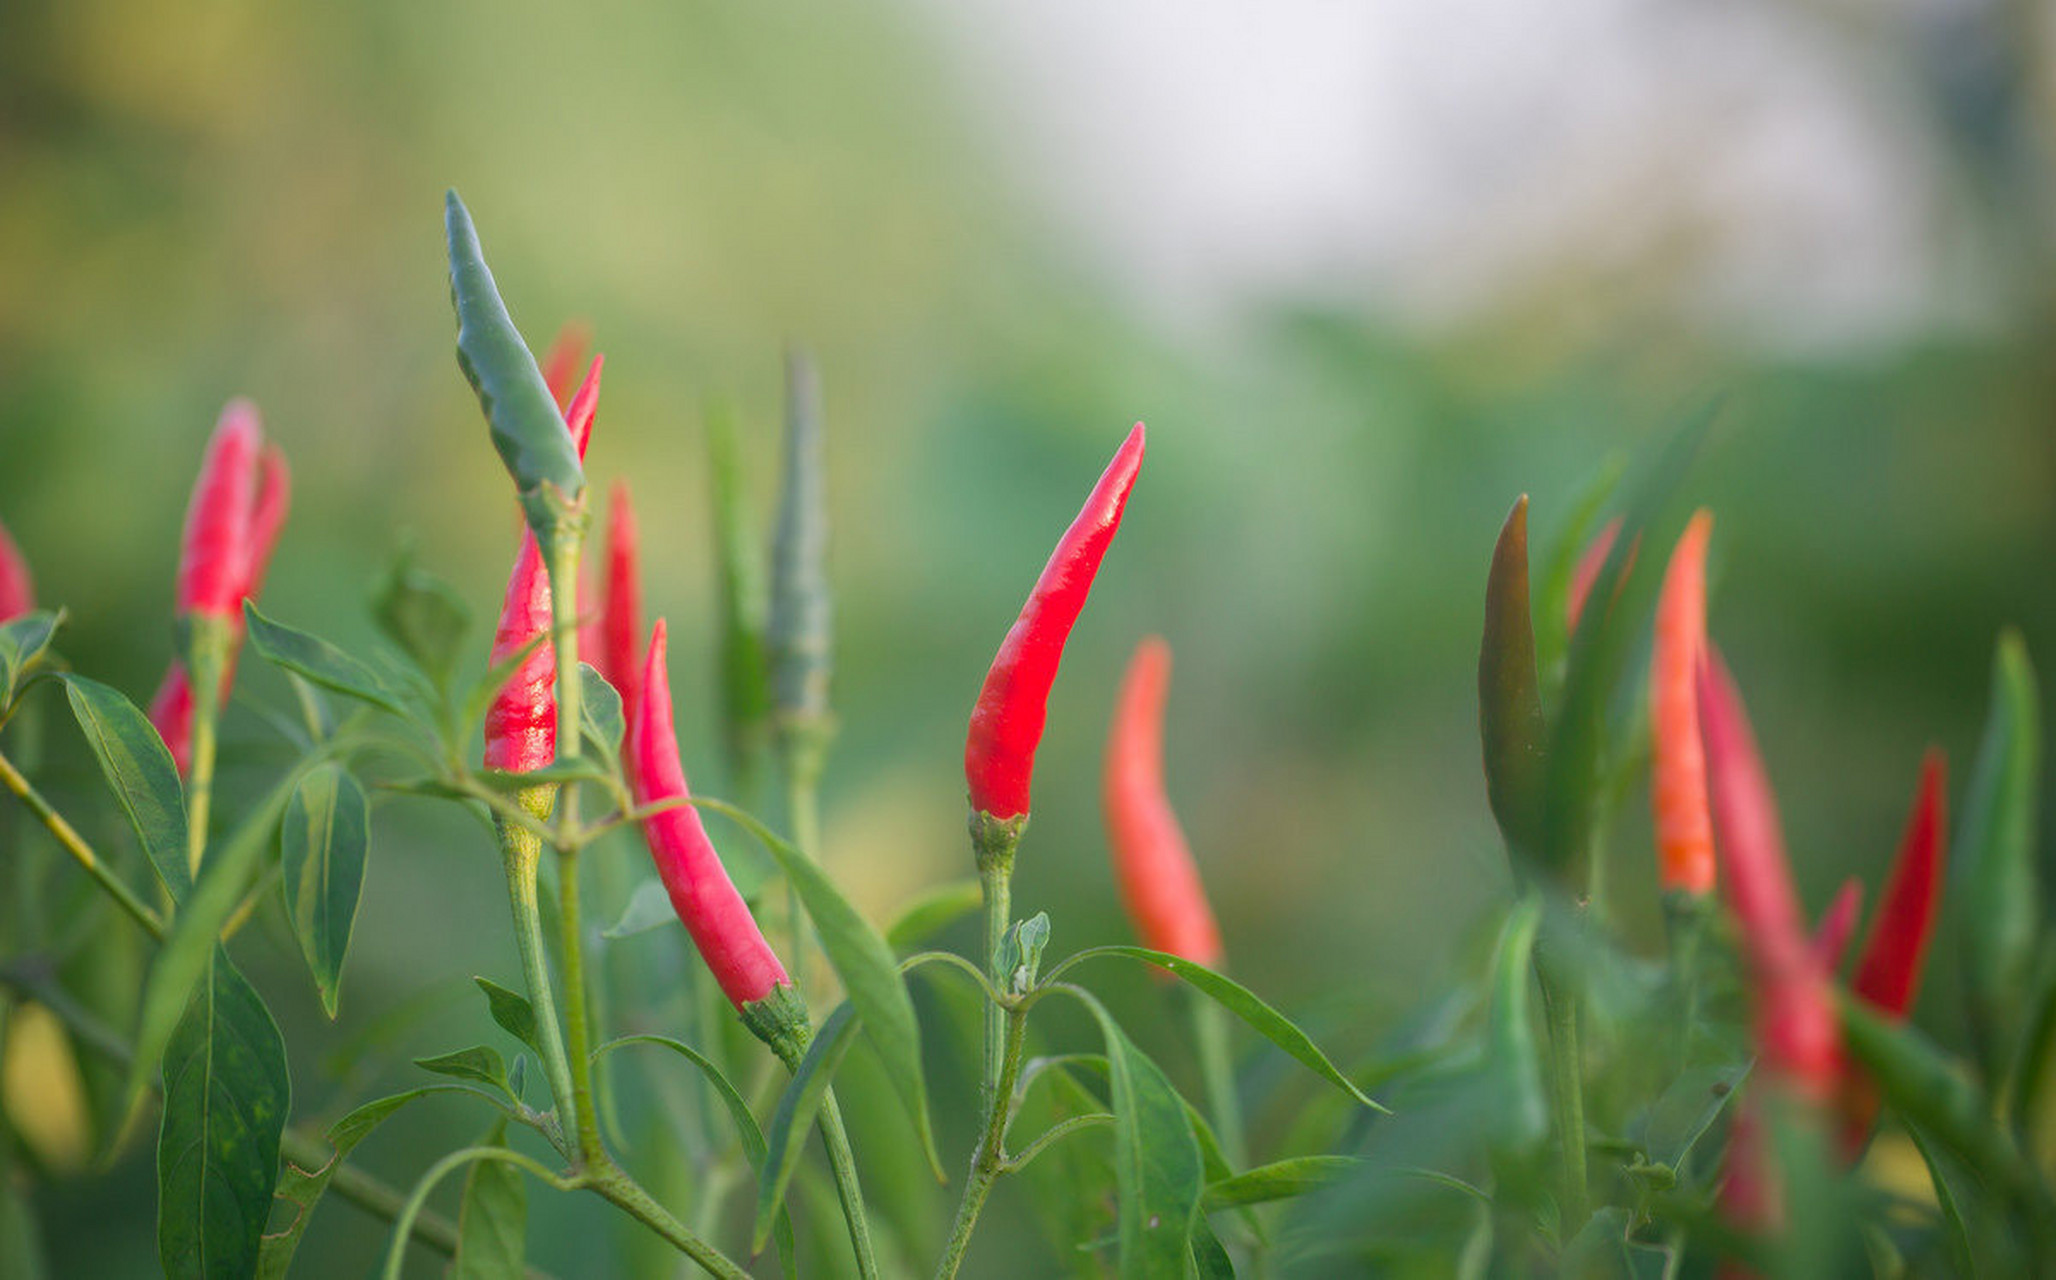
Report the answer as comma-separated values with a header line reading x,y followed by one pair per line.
x,y
600,706
1210,1260
226,1097
1281,1180
649,907
1995,894
424,616
138,769
319,661
1243,1003
492,1222
797,1107
868,970
511,1010
1510,694
23,640
480,1062
323,842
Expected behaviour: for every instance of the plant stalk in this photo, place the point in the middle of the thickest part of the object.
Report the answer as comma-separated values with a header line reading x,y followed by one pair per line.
x,y
81,852
208,645
521,852
1217,1076
988,1161
1566,1072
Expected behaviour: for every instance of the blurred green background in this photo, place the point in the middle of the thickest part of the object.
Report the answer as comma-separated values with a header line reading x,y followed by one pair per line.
x,y
202,200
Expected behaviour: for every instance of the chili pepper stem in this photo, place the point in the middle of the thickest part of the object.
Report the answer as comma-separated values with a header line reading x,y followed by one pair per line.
x,y
989,1160
1217,1075
209,641
81,852
1567,1072
521,851
1686,917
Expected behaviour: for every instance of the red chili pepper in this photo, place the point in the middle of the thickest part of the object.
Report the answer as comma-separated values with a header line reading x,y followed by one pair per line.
x,y
1798,1036
171,711
17,587
565,355
621,617
1677,757
521,723
1587,571
267,515
1159,882
1838,925
705,898
1006,723
1888,971
214,565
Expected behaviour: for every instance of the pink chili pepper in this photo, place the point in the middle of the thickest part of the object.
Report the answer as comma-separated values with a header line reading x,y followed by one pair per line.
x,y
701,892
621,615
1838,925
17,587
214,565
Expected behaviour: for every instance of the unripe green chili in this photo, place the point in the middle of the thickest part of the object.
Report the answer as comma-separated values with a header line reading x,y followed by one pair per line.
x,y
800,635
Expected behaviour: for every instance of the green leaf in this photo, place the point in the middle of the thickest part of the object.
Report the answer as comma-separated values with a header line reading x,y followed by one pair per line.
x,y
511,1010
492,1224
797,1107
21,1244
600,710
480,1062
1599,652
1210,1261
300,1187
739,1112
319,661
1552,596
479,698
423,615
23,640
1683,1114
1996,899
649,907
931,912
527,427
323,841
868,971
1020,952
1281,1180
745,604
138,769
1510,694
1156,1158
556,773
1512,1059
226,1096
1240,1001
182,961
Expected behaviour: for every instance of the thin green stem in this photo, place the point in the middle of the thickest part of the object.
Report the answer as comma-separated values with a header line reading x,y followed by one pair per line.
x,y
996,880
626,1193
844,1166
990,1159
1566,1071
1217,1075
521,852
803,799
577,1027
81,852
210,641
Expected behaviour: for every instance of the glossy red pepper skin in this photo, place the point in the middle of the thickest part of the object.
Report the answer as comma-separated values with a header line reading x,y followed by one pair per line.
x,y
1798,1033
1159,883
706,900
621,614
216,553
17,586
521,722
1683,822
1006,723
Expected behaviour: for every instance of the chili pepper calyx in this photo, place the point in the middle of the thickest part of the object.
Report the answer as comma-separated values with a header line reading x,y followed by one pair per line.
x,y
995,839
780,1020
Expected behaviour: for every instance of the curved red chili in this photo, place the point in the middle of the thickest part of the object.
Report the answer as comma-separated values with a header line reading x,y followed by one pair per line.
x,y
1677,756
561,363
17,586
521,723
1006,723
214,561
621,615
1798,1035
1888,970
701,892
1159,883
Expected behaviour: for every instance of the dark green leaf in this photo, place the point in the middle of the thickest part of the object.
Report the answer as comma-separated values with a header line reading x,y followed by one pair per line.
x,y
480,1062
1995,897
649,907
797,1107
527,427
600,707
319,661
139,771
1020,952
1156,1158
1511,1057
226,1096
868,971
492,1224
933,911
1510,693
1281,1180
423,615
22,641
182,961
556,773
799,638
1209,1259
511,1010
1686,1110
1241,1002
323,841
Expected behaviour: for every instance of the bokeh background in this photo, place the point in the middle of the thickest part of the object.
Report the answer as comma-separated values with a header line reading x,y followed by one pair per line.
x,y
1367,271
